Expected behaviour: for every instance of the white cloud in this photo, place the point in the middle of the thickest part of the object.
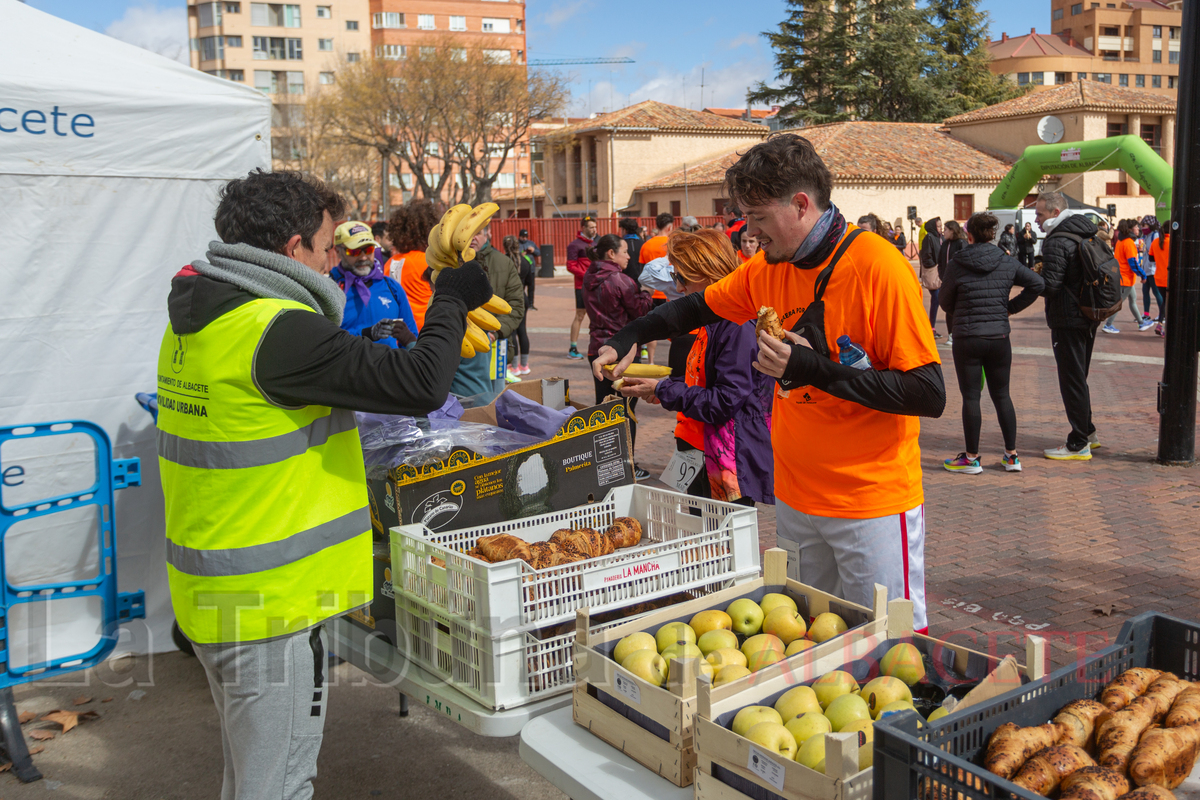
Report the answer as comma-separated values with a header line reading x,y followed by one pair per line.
x,y
724,87
564,12
159,30
743,40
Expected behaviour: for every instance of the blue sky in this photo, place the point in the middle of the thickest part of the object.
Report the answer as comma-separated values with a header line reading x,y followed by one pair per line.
x,y
677,46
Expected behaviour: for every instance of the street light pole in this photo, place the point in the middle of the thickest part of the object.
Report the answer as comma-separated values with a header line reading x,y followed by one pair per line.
x,y
1177,391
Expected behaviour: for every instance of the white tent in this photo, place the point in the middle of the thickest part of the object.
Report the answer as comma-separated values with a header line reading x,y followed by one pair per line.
x,y
111,158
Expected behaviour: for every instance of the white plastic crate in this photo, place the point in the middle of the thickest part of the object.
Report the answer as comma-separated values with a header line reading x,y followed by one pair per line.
x,y
506,671
679,551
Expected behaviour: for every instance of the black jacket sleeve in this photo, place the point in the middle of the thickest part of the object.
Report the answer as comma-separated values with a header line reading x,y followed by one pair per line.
x,y
919,392
1054,264
1034,286
668,320
948,291
304,359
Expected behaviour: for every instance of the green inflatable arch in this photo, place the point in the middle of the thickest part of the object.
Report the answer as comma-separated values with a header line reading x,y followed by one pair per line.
x,y
1129,153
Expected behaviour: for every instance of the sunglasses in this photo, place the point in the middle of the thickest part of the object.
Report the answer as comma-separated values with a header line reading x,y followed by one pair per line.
x,y
680,281
365,250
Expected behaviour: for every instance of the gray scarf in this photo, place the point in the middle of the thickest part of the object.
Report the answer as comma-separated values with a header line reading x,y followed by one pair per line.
x,y
274,275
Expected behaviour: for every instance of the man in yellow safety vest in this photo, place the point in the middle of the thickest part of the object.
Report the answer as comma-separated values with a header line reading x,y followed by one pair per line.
x,y
268,530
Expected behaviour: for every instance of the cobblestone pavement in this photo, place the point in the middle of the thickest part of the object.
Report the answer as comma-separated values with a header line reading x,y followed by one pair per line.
x,y
1069,550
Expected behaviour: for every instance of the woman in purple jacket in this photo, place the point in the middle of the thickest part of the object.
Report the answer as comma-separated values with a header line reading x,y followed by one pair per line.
x,y
720,389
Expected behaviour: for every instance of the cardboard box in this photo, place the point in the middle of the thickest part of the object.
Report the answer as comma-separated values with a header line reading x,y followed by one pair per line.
x,y
380,617
588,456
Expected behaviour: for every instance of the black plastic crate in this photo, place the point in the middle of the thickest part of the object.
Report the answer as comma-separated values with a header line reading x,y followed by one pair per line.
x,y
940,761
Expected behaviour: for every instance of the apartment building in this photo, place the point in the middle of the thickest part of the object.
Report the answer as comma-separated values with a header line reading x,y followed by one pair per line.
x,y
1127,43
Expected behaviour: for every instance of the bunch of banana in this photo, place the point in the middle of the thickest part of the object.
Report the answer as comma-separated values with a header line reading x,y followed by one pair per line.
x,y
451,239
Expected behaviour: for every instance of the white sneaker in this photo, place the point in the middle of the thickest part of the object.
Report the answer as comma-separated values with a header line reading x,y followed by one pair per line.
x,y
1064,453
949,339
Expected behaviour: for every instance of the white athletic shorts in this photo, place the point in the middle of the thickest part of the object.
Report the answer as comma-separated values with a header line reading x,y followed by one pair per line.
x,y
847,557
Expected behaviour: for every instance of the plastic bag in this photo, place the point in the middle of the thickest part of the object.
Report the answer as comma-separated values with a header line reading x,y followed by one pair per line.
x,y
515,412
393,441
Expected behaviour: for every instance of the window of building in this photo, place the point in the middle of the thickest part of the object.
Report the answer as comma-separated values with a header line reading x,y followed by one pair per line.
x,y
652,209
387,19
208,14
1152,135
1102,77
233,41
324,12
392,51
498,56
676,208
431,149
325,45
425,22
1156,31
520,56
212,48
428,52
1122,80
1173,57
458,23
1095,5
1173,32
1172,82
1114,188
1022,79
1076,9
458,53
1110,55
1037,78
1139,81
1156,81
265,81
351,24
233,8
491,25
1110,5
505,180
295,82
295,51
326,78
1058,13
279,15
1156,56
1082,76
277,48
1110,31
236,74
964,206
262,47
1117,129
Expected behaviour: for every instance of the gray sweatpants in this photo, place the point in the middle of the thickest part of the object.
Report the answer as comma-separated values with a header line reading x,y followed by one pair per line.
x,y
271,699
847,557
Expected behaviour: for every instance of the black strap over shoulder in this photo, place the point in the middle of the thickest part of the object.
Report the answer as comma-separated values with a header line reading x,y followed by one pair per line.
x,y
823,278
811,324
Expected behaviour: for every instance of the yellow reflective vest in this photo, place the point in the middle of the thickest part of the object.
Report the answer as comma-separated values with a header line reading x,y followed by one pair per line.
x,y
268,530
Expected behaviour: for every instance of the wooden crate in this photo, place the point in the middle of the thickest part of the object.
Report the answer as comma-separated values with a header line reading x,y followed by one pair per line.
x,y
723,757
655,725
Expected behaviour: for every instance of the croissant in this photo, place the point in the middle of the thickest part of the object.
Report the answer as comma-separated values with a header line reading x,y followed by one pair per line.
x,y
1079,720
474,553
1093,783
565,554
1042,773
1127,686
1162,694
1186,708
1165,756
1148,793
768,321
542,554
1118,735
1011,746
587,540
503,547
625,532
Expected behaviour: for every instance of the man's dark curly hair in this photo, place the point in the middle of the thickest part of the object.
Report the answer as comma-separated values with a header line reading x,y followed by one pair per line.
x,y
775,170
410,225
265,209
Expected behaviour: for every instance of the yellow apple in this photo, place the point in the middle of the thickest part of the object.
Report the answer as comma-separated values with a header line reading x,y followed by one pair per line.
x,y
774,600
747,616
672,633
784,623
773,737
681,650
903,661
804,727
750,716
866,735
647,665
937,714
717,639
634,641
798,646
763,658
812,753
763,641
796,702
725,657
729,674
711,620
846,709
832,685
826,626
884,691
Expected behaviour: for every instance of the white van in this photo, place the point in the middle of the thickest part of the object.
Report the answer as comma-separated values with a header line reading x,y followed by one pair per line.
x,y
1017,217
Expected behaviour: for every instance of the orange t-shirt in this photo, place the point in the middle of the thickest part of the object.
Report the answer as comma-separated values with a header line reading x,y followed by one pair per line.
x,y
1124,251
1160,251
652,249
686,428
835,458
742,257
412,269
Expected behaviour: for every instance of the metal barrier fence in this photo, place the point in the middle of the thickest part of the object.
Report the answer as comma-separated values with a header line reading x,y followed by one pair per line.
x,y
561,232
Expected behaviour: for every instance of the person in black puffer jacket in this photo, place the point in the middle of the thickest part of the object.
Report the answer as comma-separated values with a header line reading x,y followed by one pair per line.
x,y
1071,333
975,294
954,239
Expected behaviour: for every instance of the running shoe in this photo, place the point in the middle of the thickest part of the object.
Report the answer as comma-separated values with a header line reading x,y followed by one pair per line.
x,y
573,352
1146,324
1145,316
1160,330
644,356
511,377
1011,463
639,474
523,369
1065,453
1110,328
950,339
961,463
936,335
1094,442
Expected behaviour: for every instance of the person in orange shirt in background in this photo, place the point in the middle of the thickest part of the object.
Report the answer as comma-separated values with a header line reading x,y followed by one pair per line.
x,y
1160,251
848,481
408,230
656,247
747,245
1127,257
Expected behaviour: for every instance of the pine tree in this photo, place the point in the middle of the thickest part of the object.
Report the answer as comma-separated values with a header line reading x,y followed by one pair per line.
x,y
893,62
961,74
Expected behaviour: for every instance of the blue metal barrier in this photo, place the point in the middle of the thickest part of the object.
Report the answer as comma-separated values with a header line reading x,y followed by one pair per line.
x,y
117,607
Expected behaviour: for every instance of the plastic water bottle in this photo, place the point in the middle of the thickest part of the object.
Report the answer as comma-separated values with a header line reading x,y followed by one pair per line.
x,y
851,354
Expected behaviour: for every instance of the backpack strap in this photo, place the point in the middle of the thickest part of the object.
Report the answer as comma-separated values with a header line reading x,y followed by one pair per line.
x,y
823,278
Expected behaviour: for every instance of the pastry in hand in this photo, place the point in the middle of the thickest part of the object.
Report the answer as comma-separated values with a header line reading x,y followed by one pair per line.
x,y
768,321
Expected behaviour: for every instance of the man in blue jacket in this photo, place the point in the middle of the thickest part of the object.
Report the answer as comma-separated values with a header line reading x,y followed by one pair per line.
x,y
376,305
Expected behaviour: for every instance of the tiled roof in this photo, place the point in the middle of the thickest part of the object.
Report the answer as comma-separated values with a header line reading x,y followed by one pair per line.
x,y
1035,44
871,151
740,113
651,114
1089,95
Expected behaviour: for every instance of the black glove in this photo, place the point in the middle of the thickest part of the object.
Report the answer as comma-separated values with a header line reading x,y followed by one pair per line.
x,y
468,283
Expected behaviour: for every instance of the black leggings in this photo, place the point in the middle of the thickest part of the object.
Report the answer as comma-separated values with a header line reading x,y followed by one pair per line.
x,y
522,341
973,358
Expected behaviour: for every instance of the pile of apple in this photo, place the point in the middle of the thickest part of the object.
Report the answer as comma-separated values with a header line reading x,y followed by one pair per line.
x,y
730,644
795,727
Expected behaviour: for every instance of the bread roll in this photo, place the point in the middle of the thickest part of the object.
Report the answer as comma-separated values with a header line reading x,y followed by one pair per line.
x,y
768,321
1148,793
1079,720
1186,708
1042,773
1165,756
1011,746
1093,783
503,547
624,532
1128,686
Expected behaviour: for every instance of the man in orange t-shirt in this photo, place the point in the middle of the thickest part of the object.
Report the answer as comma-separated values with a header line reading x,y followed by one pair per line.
x,y
408,230
847,461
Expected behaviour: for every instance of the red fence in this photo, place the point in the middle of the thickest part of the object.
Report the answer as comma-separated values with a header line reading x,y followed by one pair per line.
x,y
561,232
